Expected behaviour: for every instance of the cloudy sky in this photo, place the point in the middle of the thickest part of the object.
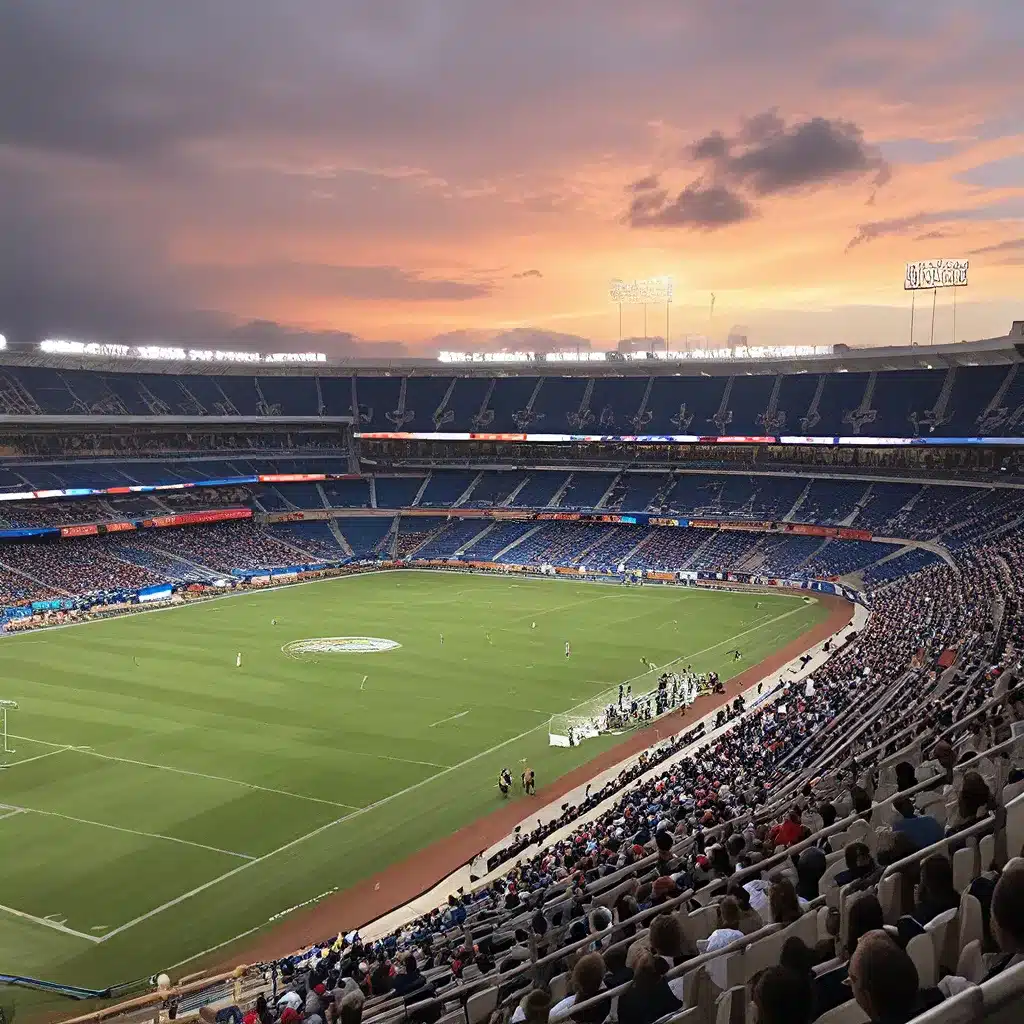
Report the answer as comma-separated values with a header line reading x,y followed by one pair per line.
x,y
394,170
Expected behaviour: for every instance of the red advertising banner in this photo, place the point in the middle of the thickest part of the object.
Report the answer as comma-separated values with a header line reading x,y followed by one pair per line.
x,y
849,533
119,527
79,531
189,518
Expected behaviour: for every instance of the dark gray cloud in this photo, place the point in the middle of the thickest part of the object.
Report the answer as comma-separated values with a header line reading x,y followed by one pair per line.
x,y
528,273
698,206
765,157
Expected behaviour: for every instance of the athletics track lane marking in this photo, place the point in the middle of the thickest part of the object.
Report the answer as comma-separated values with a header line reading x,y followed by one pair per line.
x,y
386,800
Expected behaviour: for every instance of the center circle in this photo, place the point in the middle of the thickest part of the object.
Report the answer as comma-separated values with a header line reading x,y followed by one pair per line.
x,y
340,645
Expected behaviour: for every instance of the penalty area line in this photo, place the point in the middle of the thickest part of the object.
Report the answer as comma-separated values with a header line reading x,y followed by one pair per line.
x,y
177,771
132,831
46,923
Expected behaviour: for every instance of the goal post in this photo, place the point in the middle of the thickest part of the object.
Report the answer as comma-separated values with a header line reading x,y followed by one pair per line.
x,y
5,706
612,711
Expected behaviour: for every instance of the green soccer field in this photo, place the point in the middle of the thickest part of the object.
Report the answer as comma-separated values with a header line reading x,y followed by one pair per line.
x,y
161,801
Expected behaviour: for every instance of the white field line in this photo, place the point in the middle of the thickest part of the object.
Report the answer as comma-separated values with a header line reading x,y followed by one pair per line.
x,y
51,924
28,760
10,813
134,832
380,803
317,831
224,778
216,778
450,718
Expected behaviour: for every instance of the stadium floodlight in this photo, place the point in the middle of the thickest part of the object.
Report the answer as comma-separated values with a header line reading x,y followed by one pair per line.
x,y
924,275
486,357
575,357
5,706
62,347
296,357
641,292
3,343
108,350
931,275
736,352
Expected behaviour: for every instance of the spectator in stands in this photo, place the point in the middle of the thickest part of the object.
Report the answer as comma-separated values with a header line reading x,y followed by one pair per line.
x,y
922,829
667,945
936,892
810,868
727,932
1007,917
350,1009
749,920
783,996
587,980
784,905
410,980
974,801
537,1007
884,981
864,917
791,830
905,777
648,997
859,864
381,980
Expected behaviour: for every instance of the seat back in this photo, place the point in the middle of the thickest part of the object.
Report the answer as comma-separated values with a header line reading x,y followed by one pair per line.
x,y
921,950
849,1013
965,868
970,964
945,936
964,1008
971,922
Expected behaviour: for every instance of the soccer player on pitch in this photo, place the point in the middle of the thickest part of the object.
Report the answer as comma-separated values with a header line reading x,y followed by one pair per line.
x,y
568,649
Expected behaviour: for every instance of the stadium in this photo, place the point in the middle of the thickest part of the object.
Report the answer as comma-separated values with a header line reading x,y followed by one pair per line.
x,y
273,626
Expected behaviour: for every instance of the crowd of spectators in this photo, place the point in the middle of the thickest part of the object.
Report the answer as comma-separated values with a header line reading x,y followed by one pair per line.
x,y
696,817
80,567
229,545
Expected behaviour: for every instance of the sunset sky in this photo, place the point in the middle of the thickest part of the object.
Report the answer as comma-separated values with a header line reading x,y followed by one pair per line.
x,y
394,170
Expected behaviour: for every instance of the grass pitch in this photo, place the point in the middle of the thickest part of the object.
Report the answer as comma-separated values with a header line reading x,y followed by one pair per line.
x,y
161,800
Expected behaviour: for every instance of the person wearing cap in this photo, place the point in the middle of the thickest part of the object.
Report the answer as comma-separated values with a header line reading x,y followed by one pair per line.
x,y
315,1000
290,1000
